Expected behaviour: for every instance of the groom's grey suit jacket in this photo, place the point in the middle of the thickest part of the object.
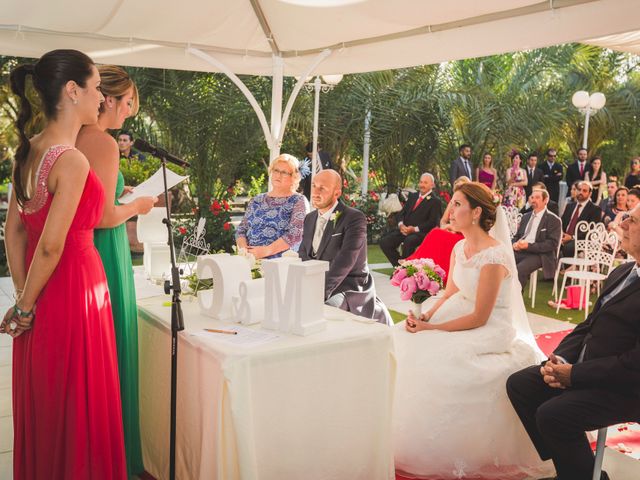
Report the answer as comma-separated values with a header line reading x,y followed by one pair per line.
x,y
344,246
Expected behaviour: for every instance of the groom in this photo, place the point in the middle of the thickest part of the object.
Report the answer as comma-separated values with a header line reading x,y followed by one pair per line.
x,y
338,234
592,380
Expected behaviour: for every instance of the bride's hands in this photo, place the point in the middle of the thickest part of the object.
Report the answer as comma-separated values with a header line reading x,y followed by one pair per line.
x,y
415,325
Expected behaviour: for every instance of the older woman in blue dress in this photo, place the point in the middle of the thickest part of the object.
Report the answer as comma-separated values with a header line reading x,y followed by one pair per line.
x,y
273,221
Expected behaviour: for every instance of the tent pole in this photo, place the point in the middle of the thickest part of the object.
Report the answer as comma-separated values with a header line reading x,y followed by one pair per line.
x,y
365,154
276,107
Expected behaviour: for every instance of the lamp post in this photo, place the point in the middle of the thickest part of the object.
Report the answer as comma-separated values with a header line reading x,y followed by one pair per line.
x,y
330,81
589,105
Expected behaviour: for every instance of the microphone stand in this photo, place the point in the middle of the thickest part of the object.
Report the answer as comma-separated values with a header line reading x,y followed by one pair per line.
x,y
177,324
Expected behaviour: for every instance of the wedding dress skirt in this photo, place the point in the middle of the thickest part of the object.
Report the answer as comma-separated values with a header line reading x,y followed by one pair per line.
x,y
452,417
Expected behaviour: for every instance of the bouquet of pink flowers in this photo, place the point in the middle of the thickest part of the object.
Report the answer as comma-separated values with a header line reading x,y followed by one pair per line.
x,y
418,279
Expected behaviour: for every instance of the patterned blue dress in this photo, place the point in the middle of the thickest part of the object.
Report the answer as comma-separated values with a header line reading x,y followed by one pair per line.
x,y
269,218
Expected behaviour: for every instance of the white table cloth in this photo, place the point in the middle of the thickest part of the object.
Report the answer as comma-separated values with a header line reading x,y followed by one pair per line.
x,y
316,407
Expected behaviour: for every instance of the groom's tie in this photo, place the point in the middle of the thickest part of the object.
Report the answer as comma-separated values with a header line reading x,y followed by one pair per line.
x,y
317,235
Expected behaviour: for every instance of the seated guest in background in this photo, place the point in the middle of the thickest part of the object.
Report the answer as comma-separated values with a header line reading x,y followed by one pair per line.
x,y
582,209
534,174
633,178
486,173
439,242
598,179
338,234
551,205
535,244
612,187
578,169
420,214
592,379
125,145
633,199
273,220
618,206
514,195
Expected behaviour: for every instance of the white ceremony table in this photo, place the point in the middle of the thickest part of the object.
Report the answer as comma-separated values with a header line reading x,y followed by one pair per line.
x,y
316,407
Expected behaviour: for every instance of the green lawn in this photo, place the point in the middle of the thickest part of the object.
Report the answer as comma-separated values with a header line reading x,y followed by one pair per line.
x,y
375,255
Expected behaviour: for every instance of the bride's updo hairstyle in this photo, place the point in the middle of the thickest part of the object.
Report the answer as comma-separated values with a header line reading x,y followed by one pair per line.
x,y
479,195
49,75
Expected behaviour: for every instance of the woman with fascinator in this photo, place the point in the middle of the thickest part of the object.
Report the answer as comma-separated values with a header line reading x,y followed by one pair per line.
x,y
452,418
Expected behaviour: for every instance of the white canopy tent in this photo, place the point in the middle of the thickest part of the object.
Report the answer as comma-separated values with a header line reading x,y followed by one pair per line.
x,y
301,37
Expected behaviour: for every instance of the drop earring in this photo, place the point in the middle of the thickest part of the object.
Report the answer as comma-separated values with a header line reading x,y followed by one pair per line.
x,y
75,102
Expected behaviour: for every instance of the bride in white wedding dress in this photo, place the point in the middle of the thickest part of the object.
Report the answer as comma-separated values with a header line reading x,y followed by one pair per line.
x,y
452,418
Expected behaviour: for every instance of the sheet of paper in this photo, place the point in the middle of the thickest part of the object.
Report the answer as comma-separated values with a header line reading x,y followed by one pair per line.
x,y
153,186
245,337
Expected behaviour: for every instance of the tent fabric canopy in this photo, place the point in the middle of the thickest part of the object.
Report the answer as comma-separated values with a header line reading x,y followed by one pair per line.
x,y
245,35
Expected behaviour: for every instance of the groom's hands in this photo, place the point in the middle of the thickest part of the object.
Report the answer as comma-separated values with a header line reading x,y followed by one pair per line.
x,y
556,374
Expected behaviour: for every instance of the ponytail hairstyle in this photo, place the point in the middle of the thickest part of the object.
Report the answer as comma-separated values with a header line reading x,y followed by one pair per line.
x,y
49,76
115,82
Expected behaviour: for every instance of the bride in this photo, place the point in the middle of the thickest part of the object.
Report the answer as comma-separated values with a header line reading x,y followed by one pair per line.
x,y
452,418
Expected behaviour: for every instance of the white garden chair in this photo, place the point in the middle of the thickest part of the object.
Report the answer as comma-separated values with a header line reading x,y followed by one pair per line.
x,y
513,218
602,263
589,236
533,279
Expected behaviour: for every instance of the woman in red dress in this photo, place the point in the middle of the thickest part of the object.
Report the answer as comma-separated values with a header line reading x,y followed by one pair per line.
x,y
66,405
439,242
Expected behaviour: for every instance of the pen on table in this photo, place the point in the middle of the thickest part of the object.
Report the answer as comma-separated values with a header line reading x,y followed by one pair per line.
x,y
215,330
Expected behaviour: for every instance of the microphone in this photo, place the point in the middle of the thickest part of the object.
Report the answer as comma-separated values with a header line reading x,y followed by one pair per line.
x,y
145,146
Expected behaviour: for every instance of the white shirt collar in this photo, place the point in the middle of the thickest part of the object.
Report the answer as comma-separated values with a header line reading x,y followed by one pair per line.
x,y
327,215
425,195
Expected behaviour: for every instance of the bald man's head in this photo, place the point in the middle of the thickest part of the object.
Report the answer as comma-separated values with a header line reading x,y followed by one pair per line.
x,y
326,188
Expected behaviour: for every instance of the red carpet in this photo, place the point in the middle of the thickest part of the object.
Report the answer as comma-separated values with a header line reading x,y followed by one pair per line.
x,y
549,341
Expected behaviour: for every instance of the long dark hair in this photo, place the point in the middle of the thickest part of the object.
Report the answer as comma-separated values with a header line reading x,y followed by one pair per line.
x,y
49,74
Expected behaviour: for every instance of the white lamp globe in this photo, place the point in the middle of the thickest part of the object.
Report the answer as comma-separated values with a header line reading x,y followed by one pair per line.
x,y
597,100
332,79
580,99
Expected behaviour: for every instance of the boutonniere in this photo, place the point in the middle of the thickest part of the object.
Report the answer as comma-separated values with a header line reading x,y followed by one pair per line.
x,y
335,216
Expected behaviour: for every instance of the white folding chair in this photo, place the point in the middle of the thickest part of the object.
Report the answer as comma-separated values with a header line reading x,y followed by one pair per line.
x,y
533,279
602,261
589,236
600,443
513,218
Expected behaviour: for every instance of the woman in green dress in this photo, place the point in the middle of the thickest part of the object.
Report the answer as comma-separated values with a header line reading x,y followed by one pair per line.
x,y
121,101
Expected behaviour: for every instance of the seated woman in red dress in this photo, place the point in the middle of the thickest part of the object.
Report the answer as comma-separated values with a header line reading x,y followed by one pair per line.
x,y
439,242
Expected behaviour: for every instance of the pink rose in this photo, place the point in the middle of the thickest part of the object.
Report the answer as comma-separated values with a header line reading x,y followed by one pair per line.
x,y
422,280
440,271
408,287
398,276
433,287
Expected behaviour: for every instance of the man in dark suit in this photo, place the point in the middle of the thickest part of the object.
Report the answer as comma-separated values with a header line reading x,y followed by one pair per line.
x,y
534,174
582,209
461,166
324,159
552,174
535,244
338,234
592,380
577,169
420,214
